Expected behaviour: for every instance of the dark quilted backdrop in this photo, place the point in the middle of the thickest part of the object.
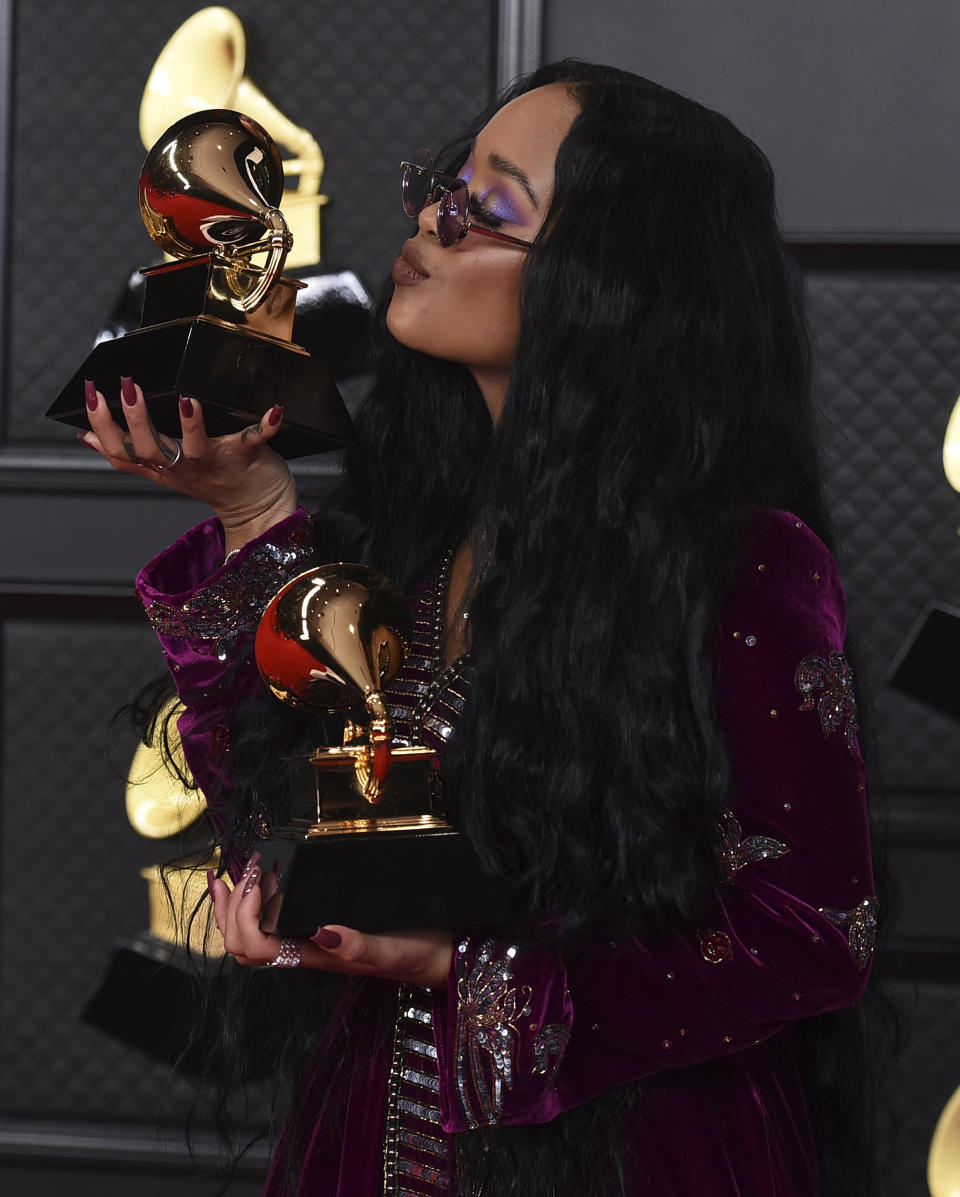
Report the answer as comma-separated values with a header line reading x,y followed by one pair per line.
x,y
371,80
69,863
889,374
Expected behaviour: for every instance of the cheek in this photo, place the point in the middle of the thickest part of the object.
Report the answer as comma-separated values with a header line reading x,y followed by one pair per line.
x,y
470,314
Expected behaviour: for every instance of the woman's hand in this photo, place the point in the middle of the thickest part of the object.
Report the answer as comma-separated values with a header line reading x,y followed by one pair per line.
x,y
248,486
416,957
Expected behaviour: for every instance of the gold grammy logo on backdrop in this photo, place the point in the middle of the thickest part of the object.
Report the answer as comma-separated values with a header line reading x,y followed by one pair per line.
x,y
159,806
202,66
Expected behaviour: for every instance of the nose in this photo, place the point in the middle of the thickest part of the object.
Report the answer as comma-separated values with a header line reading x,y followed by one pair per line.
x,y
427,220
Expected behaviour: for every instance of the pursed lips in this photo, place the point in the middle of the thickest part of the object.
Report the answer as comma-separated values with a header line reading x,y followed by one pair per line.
x,y
413,260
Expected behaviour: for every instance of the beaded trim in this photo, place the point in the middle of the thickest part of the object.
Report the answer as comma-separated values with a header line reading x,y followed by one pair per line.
x,y
231,606
425,700
415,1152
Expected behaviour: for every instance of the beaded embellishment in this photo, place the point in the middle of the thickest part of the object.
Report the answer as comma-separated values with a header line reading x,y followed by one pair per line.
x,y
860,924
737,852
715,946
836,705
415,1155
488,1007
424,699
232,605
551,1040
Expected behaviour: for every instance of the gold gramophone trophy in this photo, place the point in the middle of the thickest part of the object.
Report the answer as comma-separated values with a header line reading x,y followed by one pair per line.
x,y
365,842
218,319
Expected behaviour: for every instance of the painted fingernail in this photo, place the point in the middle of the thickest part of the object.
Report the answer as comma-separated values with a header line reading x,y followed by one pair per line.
x,y
90,394
210,876
254,859
128,391
276,870
253,880
275,415
186,407
82,438
326,939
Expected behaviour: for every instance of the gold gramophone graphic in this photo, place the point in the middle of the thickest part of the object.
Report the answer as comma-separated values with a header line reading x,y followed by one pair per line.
x,y
943,1159
159,806
365,842
217,320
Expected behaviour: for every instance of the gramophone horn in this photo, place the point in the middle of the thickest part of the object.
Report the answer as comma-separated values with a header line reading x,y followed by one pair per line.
x,y
211,185
201,67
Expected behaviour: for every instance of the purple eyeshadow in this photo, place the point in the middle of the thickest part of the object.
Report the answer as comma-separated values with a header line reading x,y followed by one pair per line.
x,y
501,207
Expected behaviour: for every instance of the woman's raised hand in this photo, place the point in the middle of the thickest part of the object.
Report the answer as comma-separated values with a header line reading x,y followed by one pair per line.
x,y
417,957
248,485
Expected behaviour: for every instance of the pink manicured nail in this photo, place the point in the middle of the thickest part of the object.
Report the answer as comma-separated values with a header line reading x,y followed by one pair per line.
x,y
128,391
326,939
254,878
186,407
275,415
90,394
210,876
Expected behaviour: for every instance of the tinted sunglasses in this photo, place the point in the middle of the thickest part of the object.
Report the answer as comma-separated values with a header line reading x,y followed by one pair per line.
x,y
421,184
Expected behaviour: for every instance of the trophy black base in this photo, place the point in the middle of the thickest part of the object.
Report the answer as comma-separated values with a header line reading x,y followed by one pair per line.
x,y
927,664
236,375
151,997
378,881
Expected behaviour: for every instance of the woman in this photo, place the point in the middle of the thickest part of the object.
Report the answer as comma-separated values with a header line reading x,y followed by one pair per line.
x,y
588,457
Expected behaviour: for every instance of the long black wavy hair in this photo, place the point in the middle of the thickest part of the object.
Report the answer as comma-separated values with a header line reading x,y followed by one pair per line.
x,y
660,395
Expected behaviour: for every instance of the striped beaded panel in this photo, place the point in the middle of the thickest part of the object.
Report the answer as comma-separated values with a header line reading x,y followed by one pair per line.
x,y
424,699
416,1150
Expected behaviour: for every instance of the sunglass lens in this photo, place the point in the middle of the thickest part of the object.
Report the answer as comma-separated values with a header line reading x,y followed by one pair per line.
x,y
452,216
417,182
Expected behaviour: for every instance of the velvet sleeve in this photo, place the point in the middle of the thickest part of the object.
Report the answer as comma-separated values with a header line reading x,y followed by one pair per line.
x,y
523,1035
205,613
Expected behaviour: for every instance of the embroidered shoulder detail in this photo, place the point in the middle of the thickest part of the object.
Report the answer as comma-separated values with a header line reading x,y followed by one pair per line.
x,y
737,852
233,604
860,924
488,1007
832,678
551,1040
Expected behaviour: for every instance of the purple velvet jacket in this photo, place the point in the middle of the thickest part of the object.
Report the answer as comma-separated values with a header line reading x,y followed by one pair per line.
x,y
521,1035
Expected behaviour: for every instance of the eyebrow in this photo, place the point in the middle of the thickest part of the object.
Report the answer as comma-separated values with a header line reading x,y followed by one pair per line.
x,y
506,167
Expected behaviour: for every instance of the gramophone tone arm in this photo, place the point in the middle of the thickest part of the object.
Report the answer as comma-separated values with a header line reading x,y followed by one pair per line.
x,y
277,245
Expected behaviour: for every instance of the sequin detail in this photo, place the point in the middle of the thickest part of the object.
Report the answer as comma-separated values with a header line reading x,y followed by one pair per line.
x,y
415,1152
487,1037
715,946
425,700
860,924
836,705
232,605
551,1040
737,852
